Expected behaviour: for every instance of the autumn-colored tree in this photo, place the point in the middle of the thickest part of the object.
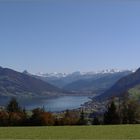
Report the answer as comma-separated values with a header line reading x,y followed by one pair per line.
x,y
47,119
16,118
15,115
4,116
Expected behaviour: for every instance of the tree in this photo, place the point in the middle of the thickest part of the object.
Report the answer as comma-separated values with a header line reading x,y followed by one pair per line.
x,y
35,118
96,121
13,106
4,116
70,118
16,116
82,120
124,112
47,119
130,111
25,117
15,119
111,116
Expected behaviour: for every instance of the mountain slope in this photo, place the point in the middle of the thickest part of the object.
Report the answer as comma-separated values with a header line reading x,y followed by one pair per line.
x,y
14,83
123,85
135,92
62,81
83,81
96,84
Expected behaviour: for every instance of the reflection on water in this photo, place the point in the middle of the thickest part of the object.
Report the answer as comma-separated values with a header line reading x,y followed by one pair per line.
x,y
53,105
60,103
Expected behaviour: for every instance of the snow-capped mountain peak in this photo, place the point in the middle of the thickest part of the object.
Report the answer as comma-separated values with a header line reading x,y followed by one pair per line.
x,y
53,74
76,73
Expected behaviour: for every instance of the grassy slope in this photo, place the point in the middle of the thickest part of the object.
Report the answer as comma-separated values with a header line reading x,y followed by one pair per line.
x,y
135,92
75,132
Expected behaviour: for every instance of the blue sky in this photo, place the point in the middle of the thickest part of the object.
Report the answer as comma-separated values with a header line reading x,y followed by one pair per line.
x,y
69,35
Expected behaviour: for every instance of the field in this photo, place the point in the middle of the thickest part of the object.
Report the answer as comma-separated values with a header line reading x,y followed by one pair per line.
x,y
72,132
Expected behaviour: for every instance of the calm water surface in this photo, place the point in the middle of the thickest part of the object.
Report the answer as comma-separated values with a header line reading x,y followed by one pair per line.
x,y
60,103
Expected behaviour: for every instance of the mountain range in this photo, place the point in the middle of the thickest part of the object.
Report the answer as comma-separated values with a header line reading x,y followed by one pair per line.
x,y
86,82
13,83
105,84
129,84
96,84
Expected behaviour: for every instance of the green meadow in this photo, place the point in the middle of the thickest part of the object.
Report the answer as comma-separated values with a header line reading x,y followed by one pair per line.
x,y
109,132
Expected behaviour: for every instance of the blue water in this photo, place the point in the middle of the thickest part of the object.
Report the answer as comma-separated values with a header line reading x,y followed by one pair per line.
x,y
59,103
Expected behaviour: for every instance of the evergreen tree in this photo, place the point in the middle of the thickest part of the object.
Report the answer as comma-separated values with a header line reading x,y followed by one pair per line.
x,y
35,119
111,116
82,120
96,121
13,106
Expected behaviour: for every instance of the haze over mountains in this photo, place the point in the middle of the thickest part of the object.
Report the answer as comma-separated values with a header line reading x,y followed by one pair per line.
x,y
87,82
104,84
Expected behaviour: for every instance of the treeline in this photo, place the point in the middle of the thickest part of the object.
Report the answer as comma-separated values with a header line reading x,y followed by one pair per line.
x,y
122,112
14,115
125,112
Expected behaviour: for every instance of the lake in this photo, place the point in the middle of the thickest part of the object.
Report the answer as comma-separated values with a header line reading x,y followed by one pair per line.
x,y
58,104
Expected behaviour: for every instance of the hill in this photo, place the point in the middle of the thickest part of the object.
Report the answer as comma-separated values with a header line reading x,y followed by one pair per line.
x,y
13,83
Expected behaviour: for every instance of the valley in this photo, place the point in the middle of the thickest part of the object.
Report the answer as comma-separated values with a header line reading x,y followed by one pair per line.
x,y
60,91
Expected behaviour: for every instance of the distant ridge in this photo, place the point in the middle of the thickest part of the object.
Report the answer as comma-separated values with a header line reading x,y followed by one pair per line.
x,y
98,83
85,82
122,85
78,73
13,83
